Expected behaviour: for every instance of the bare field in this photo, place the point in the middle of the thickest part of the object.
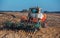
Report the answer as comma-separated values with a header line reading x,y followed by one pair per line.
x,y
53,31
53,19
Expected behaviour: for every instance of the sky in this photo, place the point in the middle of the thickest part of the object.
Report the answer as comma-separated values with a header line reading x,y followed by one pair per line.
x,y
18,5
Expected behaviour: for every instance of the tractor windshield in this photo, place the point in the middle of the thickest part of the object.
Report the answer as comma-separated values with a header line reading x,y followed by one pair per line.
x,y
34,10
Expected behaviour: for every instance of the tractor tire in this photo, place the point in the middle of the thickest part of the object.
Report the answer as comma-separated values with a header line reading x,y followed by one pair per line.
x,y
43,25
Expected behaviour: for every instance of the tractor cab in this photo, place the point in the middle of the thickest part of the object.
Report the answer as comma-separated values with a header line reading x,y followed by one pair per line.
x,y
34,13
34,10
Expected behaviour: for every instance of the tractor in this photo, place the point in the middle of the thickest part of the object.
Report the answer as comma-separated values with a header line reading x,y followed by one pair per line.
x,y
34,20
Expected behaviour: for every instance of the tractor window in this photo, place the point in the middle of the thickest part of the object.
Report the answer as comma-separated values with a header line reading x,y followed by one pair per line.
x,y
34,10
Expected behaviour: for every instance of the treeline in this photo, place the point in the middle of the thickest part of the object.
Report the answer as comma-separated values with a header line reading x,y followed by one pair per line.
x,y
51,11
24,10
28,11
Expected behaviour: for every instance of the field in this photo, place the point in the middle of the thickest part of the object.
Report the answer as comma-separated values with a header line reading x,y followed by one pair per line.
x,y
52,31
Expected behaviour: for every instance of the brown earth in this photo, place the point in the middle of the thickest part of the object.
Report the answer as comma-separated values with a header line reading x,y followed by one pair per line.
x,y
53,31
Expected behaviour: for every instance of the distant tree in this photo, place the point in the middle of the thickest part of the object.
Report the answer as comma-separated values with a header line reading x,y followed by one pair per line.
x,y
24,10
45,11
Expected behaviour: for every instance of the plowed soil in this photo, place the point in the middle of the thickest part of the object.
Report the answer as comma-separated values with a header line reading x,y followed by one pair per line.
x,y
52,31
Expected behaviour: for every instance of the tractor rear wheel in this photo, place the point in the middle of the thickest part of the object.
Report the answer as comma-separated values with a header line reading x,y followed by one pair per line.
x,y
43,25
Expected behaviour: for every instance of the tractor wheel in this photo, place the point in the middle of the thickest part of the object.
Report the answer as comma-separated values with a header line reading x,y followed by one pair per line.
x,y
43,25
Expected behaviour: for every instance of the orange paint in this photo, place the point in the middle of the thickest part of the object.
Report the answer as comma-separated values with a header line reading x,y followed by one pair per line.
x,y
44,18
23,17
34,19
